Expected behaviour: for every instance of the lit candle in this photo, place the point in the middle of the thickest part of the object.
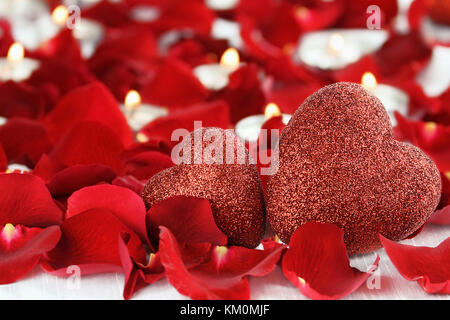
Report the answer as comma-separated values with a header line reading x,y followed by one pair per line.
x,y
89,33
222,4
60,15
335,49
86,31
248,129
433,32
15,66
215,76
139,114
391,97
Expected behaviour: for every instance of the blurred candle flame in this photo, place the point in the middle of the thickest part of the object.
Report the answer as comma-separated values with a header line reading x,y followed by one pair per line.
x,y
16,52
369,81
132,100
272,110
336,43
230,58
8,231
60,15
142,137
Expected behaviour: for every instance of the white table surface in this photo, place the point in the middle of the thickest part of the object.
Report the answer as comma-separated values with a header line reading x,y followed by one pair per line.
x,y
40,285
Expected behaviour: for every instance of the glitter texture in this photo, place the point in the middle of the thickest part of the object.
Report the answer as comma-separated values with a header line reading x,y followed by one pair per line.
x,y
234,190
338,163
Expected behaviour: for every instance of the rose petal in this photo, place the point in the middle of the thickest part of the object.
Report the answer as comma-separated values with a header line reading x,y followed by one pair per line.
x,y
24,140
138,275
223,277
25,200
212,114
129,182
76,177
441,216
3,159
126,205
92,102
89,241
189,219
428,266
18,99
22,247
317,263
174,85
144,165
244,93
431,138
90,143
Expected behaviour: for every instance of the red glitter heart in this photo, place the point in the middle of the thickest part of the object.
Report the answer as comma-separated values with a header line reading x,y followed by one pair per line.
x,y
339,163
234,190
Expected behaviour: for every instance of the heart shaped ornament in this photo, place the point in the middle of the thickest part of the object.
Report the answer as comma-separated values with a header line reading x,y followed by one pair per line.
x,y
214,164
339,163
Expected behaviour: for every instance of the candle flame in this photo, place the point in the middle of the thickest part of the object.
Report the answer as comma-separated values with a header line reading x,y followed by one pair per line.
x,y
430,127
447,175
141,137
230,58
336,43
221,252
302,12
272,110
16,52
60,15
132,99
369,81
8,231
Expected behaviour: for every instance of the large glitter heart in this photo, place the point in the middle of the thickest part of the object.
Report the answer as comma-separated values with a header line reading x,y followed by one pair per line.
x,y
233,188
338,163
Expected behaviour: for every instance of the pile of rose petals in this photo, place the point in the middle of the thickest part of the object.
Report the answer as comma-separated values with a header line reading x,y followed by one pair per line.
x,y
78,200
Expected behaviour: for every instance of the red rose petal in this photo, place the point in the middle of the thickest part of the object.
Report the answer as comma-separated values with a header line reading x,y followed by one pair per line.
x,y
129,182
317,263
90,143
144,165
126,58
138,275
7,39
76,177
56,77
18,99
63,47
416,12
174,85
223,277
22,247
402,56
89,241
24,140
25,200
189,219
431,138
441,216
180,14
244,93
92,102
212,114
3,159
126,205
428,266
108,13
